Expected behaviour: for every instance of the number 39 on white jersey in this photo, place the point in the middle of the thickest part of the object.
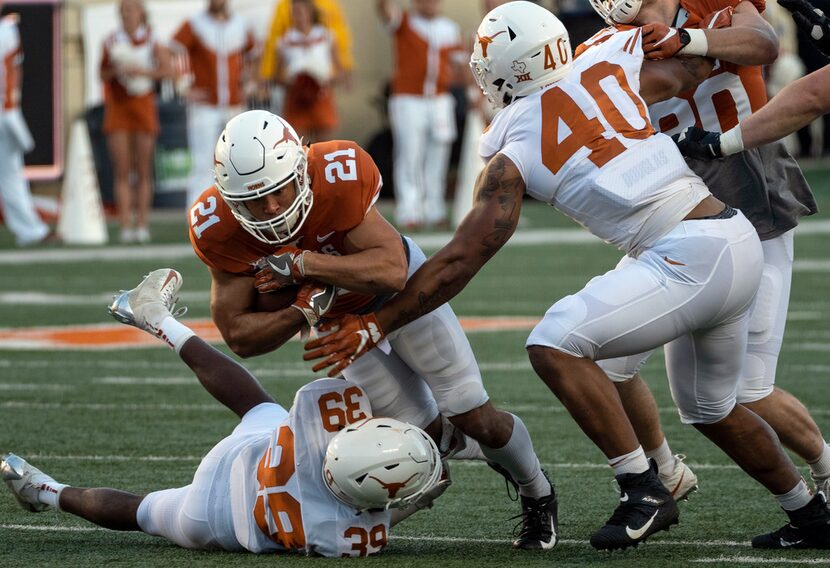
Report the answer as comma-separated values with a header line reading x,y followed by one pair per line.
x,y
586,146
287,505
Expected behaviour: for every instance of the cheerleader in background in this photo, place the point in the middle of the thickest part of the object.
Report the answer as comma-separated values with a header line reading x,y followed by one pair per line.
x,y
308,67
132,61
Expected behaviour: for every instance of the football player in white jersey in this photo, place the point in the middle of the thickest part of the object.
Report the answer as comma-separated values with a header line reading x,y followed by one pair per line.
x,y
323,477
765,183
575,134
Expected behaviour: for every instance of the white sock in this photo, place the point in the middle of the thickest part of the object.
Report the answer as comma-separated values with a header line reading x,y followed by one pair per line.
x,y
517,457
50,494
632,462
821,467
174,333
796,497
663,456
471,451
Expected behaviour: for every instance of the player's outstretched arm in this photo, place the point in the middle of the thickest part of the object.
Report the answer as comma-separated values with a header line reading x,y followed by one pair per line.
x,y
741,36
484,230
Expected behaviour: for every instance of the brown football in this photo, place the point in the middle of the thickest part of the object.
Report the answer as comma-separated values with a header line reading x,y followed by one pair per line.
x,y
273,301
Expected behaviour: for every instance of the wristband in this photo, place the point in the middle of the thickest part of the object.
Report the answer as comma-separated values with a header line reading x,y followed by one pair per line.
x,y
731,141
698,44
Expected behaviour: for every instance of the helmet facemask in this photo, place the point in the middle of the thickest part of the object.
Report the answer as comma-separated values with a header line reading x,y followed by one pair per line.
x,y
257,155
617,11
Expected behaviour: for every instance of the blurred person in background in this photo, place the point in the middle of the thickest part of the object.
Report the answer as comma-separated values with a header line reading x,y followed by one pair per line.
x,y
427,58
788,67
131,63
308,66
15,140
220,47
331,16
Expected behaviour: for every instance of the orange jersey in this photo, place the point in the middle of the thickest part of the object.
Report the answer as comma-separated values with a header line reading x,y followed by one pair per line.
x,y
12,55
129,102
424,49
730,94
216,51
345,182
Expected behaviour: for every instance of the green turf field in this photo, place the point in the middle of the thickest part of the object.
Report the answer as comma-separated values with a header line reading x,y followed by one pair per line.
x,y
136,419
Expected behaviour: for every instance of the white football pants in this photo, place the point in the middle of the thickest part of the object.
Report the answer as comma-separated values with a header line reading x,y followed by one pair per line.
x,y
18,209
204,125
691,291
423,129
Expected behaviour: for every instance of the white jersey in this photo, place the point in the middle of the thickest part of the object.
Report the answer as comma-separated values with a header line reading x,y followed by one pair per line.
x,y
585,145
278,497
307,53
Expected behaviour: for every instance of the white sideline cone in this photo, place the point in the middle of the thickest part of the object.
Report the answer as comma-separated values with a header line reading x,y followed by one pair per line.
x,y
81,219
470,165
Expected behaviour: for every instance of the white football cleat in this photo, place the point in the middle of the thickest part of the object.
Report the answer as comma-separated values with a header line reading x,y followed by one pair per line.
x,y
25,481
681,480
822,484
146,305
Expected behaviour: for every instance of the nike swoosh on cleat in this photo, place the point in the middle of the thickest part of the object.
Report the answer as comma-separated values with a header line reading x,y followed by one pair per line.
x,y
624,498
669,35
171,276
638,533
788,544
321,238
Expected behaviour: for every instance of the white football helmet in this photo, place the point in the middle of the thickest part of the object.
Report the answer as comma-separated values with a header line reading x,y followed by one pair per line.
x,y
617,11
379,463
520,48
257,154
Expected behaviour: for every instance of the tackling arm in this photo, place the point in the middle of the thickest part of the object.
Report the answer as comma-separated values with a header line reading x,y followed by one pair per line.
x,y
482,233
749,41
248,332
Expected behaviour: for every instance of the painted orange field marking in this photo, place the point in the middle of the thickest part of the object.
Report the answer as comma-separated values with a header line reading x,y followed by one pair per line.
x,y
117,336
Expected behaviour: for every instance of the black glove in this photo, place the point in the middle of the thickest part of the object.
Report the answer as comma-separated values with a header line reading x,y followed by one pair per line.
x,y
697,143
812,22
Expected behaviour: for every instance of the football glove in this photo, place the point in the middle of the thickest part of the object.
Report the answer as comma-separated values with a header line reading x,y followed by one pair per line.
x,y
697,143
353,336
812,22
283,268
314,300
662,42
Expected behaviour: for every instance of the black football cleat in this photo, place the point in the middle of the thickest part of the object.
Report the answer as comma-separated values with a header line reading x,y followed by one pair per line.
x,y
645,508
539,521
809,527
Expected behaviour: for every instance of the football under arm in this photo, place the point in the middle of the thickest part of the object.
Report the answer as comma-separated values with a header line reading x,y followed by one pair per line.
x,y
485,229
750,40
233,301
794,107
663,79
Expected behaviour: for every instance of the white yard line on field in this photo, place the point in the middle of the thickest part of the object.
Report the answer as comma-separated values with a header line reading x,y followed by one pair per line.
x,y
754,560
526,237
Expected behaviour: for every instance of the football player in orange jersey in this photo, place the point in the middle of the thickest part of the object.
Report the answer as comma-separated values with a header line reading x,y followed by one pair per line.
x,y
302,499
284,220
765,183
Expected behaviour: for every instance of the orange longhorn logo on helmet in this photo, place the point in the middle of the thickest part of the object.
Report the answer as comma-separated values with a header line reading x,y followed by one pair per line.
x,y
393,488
286,136
486,41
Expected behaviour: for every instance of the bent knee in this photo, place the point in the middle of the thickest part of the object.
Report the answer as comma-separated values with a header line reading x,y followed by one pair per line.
x,y
706,412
